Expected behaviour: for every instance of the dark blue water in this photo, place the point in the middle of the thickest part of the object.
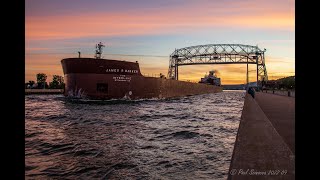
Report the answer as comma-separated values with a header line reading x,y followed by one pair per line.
x,y
183,138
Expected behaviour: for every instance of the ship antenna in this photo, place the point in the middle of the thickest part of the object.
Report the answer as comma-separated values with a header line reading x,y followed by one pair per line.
x,y
99,50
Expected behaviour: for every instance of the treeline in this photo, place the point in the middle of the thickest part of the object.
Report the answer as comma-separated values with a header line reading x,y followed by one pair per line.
x,y
56,83
282,83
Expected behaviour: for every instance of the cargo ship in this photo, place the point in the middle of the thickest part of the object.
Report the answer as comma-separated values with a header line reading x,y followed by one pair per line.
x,y
211,79
103,79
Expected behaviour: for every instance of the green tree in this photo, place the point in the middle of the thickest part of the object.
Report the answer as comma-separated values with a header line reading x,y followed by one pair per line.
x,y
287,82
31,83
41,80
41,77
57,82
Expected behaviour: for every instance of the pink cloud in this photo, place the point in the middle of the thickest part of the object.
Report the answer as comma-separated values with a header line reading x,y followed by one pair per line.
x,y
156,21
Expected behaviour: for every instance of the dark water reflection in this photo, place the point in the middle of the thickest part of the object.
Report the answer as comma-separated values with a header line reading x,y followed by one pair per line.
x,y
183,138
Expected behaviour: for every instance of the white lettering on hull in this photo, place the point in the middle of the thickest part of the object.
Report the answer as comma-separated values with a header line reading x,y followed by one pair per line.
x,y
133,71
121,78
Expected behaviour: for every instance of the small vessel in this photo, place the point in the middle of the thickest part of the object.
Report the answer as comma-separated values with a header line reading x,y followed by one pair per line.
x,y
211,79
97,78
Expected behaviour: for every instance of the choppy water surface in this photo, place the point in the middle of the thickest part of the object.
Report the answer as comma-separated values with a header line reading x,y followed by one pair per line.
x,y
183,138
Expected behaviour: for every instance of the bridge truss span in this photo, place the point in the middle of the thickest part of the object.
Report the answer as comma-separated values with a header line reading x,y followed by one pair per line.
x,y
218,54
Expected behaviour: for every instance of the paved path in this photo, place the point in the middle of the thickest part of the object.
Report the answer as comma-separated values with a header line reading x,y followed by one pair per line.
x,y
262,150
280,110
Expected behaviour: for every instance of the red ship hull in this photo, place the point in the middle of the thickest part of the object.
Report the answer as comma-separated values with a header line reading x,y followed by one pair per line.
x,y
114,79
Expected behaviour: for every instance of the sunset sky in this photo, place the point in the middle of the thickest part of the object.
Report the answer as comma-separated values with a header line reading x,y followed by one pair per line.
x,y
150,30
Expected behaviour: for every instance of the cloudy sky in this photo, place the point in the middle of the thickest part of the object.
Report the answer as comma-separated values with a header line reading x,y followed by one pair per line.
x,y
150,30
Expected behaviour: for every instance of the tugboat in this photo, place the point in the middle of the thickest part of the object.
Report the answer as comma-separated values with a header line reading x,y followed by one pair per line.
x,y
211,79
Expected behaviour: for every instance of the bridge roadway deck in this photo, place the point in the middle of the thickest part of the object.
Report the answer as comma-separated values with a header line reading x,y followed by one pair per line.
x,y
264,148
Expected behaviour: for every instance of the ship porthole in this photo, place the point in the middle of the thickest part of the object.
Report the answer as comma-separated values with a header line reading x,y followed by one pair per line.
x,y
130,93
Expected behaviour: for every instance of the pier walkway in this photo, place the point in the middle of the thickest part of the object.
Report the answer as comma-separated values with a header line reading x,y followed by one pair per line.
x,y
280,110
264,148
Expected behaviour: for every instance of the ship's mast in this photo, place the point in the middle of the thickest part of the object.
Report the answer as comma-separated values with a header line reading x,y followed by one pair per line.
x,y
99,50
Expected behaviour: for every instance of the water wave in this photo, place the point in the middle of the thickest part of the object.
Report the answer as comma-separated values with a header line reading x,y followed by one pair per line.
x,y
180,138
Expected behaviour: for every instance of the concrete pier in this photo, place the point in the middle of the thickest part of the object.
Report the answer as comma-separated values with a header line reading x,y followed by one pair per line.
x,y
264,148
280,110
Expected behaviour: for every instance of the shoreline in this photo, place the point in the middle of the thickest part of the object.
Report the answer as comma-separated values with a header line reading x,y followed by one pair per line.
x,y
43,91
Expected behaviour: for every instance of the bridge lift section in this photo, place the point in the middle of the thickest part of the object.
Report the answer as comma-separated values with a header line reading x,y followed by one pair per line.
x,y
219,54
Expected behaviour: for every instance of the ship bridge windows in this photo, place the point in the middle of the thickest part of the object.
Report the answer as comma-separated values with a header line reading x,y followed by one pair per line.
x,y
102,87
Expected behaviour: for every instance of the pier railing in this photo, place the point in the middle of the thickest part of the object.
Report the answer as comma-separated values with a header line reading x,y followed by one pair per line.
x,y
290,93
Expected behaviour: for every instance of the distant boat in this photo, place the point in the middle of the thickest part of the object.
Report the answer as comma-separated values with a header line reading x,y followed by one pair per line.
x,y
211,79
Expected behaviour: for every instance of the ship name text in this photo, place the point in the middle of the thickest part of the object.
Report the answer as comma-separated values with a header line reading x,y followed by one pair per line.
x,y
133,71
